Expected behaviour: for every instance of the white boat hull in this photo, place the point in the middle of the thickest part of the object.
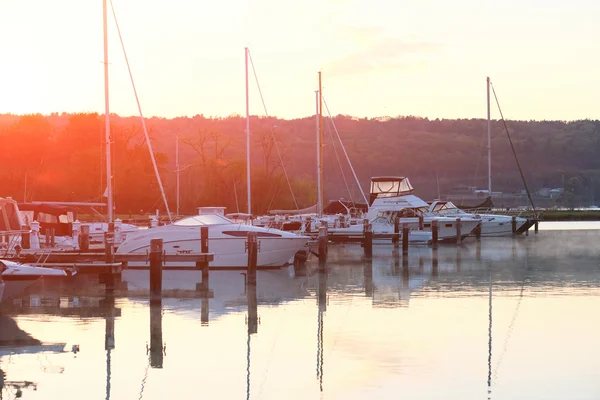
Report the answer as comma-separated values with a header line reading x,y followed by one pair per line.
x,y
228,252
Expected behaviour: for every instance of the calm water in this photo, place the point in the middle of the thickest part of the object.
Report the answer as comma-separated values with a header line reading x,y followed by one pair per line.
x,y
376,329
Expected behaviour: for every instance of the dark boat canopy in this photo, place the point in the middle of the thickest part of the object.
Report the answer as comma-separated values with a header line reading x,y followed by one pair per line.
x,y
51,209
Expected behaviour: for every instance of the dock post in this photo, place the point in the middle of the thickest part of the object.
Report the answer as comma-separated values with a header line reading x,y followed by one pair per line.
x,y
156,264
118,237
536,226
84,238
76,231
434,262
204,250
404,239
109,240
368,238
322,244
47,237
421,222
52,237
252,246
396,238
514,224
478,251
458,232
478,229
26,237
434,233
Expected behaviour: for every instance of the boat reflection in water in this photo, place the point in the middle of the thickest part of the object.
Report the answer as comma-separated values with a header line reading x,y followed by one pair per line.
x,y
357,328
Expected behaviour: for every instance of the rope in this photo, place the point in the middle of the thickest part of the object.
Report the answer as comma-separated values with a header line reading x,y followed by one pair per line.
x,y
162,190
272,133
345,153
338,160
513,150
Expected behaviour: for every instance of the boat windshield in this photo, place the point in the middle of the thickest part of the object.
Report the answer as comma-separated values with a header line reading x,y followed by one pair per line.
x,y
444,206
204,219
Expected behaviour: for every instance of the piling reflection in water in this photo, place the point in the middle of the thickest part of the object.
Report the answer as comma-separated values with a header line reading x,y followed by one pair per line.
x,y
381,326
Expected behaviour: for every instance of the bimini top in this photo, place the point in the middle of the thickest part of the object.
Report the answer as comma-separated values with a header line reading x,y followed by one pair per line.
x,y
389,186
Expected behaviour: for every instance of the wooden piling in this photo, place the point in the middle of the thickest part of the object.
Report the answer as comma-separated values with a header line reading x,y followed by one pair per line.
x,y
52,237
434,233
204,250
109,254
404,239
396,238
252,246
322,244
458,231
536,226
368,238
434,262
514,225
478,229
156,264
421,222
84,238
47,237
26,237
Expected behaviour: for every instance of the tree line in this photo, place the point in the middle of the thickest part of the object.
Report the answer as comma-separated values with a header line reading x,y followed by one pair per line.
x,y
61,157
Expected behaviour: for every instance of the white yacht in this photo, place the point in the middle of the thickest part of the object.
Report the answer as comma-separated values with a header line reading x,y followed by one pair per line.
x,y
391,197
491,224
226,240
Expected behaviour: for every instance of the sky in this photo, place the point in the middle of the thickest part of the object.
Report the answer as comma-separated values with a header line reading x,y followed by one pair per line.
x,y
379,58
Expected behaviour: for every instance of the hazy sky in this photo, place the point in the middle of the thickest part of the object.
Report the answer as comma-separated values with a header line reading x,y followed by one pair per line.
x,y
381,57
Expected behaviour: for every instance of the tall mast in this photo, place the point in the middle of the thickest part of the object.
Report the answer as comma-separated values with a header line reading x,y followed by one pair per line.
x,y
248,134
109,191
319,203
489,138
320,146
177,169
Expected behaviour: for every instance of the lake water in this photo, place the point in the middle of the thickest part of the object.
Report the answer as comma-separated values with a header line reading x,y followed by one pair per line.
x,y
502,319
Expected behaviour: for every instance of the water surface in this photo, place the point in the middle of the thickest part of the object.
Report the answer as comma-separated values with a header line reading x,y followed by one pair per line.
x,y
502,319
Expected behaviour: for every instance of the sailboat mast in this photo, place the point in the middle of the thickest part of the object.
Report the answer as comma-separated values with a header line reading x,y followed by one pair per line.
x,y
248,134
319,202
109,191
177,168
320,146
489,138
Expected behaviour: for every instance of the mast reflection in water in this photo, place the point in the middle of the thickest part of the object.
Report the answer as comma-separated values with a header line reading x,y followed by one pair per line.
x,y
419,325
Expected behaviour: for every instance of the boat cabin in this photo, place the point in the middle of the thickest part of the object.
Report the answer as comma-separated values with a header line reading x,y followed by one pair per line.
x,y
389,186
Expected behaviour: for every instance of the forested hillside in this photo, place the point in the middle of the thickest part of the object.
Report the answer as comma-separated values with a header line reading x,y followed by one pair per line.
x,y
61,157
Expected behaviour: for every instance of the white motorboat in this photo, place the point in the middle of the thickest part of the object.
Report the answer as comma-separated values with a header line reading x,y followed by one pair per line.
x,y
18,277
391,197
226,240
491,224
